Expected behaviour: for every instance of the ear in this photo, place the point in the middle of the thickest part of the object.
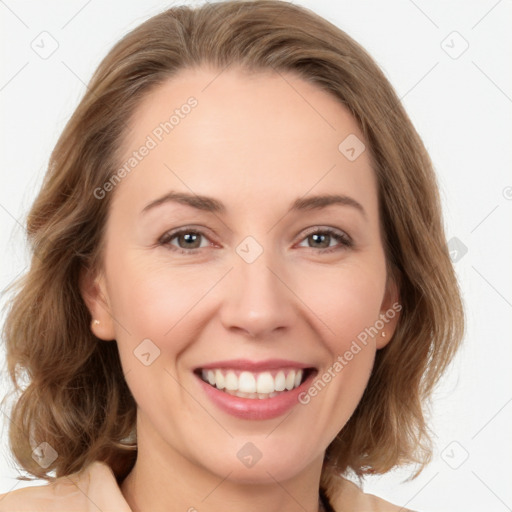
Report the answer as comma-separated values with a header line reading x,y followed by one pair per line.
x,y
389,313
93,290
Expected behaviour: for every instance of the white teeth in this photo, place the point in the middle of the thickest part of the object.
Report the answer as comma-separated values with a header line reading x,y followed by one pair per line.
x,y
219,379
253,385
280,381
265,383
290,381
231,381
247,383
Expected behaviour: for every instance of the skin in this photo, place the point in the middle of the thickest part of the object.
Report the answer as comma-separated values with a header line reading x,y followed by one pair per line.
x,y
256,143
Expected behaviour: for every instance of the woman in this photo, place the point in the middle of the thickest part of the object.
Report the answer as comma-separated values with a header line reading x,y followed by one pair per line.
x,y
240,292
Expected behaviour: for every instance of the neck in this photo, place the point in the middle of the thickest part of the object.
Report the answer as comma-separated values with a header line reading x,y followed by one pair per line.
x,y
164,479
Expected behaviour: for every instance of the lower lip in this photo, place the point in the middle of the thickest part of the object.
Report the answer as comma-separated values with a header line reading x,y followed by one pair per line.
x,y
255,408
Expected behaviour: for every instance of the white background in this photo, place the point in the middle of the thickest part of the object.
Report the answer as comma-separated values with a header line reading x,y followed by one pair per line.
x,y
462,108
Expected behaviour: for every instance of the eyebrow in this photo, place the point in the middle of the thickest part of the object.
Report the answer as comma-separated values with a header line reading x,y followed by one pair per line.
x,y
210,204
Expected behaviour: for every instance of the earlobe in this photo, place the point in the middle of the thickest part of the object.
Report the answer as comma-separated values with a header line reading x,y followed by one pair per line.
x,y
389,313
93,291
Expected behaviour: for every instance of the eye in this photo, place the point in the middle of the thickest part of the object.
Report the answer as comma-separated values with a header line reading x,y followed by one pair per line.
x,y
188,241
322,237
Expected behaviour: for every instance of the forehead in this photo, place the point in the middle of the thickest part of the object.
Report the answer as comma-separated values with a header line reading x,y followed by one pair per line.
x,y
235,134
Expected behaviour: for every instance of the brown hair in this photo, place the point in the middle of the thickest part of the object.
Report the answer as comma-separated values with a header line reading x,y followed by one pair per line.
x,y
72,392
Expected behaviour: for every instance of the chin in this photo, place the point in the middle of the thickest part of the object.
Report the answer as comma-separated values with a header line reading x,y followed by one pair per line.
x,y
265,465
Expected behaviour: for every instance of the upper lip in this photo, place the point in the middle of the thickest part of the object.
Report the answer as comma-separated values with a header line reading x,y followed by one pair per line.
x,y
255,366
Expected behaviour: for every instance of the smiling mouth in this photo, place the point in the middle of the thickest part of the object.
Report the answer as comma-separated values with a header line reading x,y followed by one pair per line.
x,y
255,385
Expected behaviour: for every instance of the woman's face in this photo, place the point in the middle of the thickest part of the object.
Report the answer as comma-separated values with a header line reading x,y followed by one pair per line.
x,y
249,285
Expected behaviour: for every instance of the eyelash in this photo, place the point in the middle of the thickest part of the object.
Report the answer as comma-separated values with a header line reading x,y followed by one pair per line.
x,y
344,240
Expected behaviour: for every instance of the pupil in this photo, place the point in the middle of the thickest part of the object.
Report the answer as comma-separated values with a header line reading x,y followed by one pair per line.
x,y
316,237
190,237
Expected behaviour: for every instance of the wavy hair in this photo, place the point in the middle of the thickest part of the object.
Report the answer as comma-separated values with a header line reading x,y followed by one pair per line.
x,y
69,385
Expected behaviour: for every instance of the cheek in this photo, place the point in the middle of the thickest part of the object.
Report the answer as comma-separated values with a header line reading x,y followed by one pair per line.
x,y
152,300
346,302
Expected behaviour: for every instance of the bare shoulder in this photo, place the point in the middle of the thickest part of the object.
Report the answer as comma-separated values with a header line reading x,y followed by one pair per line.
x,y
67,493
52,496
349,497
93,486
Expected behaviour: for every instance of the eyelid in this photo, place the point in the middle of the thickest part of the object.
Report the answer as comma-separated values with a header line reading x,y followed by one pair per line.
x,y
172,233
324,229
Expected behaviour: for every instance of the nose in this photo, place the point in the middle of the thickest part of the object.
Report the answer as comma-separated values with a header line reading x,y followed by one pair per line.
x,y
257,299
